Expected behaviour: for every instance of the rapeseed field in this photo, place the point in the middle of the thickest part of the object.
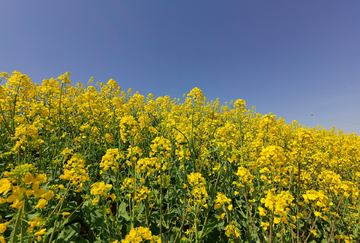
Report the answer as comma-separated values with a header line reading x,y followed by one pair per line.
x,y
81,165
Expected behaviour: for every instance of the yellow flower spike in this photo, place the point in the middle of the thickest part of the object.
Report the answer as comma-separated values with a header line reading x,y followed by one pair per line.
x,y
95,200
276,220
41,204
39,234
29,192
112,196
3,227
28,179
2,239
265,225
48,195
221,199
217,206
5,186
34,223
301,204
99,188
17,204
262,211
324,217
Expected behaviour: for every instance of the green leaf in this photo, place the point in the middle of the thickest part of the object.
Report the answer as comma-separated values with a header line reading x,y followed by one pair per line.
x,y
209,227
122,211
69,233
140,209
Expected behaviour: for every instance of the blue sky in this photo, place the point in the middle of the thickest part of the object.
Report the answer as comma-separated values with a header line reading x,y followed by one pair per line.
x,y
297,59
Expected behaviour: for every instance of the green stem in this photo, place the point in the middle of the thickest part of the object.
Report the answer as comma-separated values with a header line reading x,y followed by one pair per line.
x,y
195,222
17,223
183,221
333,226
106,221
252,221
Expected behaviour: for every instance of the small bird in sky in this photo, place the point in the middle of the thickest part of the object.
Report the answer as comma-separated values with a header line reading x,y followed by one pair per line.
x,y
311,114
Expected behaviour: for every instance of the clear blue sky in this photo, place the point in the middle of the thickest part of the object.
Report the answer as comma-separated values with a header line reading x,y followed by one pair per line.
x,y
292,58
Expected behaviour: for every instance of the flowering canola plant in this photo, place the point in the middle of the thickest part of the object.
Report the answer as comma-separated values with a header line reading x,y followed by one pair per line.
x,y
103,165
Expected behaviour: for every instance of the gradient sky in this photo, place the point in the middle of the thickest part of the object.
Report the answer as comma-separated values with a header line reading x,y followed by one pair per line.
x,y
297,59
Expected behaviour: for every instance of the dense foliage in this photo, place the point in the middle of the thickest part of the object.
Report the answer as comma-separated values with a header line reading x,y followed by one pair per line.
x,y
81,165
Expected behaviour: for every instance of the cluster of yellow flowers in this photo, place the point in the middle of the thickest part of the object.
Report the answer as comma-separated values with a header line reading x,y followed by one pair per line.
x,y
100,189
148,165
131,159
141,193
197,183
24,182
27,134
277,205
129,128
221,199
109,160
75,170
140,234
22,175
162,146
232,231
245,176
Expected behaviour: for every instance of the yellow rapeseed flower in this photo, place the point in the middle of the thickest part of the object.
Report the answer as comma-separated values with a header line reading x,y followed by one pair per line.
x,y
41,204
